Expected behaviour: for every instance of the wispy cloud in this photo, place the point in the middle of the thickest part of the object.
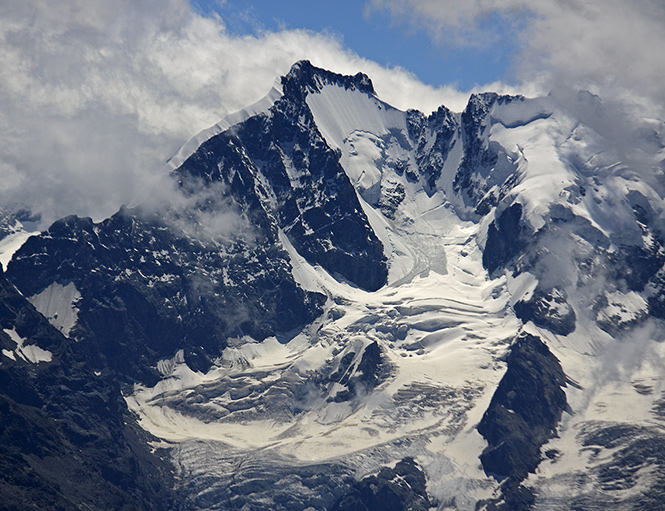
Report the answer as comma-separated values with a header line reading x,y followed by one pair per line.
x,y
98,94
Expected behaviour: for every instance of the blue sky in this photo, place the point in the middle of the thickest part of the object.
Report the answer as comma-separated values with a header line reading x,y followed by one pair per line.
x,y
373,35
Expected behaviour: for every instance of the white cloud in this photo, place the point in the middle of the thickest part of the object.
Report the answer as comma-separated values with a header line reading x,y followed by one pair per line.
x,y
608,46
98,94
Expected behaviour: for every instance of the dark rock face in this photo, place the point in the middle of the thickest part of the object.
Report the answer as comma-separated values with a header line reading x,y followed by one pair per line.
x,y
304,78
392,195
67,440
644,265
504,239
393,489
477,157
440,125
523,414
635,265
148,290
359,374
548,309
279,164
479,172
657,299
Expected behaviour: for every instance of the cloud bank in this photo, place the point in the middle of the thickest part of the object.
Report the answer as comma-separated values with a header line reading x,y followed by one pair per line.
x,y
98,94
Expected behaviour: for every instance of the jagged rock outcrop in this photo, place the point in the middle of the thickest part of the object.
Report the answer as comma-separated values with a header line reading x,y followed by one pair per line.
x,y
67,440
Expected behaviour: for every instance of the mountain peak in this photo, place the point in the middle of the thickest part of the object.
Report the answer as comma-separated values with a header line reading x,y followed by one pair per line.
x,y
367,281
484,101
304,78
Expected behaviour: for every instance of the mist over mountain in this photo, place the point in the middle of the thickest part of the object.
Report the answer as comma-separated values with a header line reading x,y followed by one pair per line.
x,y
334,304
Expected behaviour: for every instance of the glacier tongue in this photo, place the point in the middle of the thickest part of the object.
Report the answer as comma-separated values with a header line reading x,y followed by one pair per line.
x,y
441,336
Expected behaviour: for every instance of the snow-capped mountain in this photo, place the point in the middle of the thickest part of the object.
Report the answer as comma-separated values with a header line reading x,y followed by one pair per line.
x,y
349,306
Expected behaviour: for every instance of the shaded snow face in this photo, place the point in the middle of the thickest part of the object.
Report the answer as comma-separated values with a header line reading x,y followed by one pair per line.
x,y
58,304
